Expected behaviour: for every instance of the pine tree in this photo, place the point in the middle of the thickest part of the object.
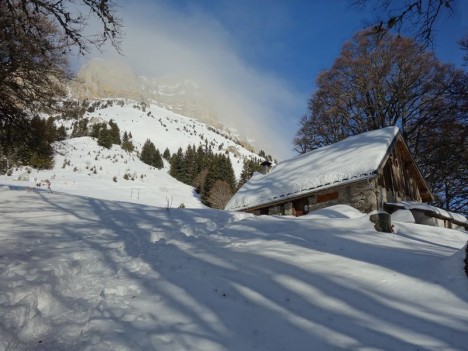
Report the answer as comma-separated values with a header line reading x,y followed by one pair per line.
x,y
151,156
249,168
114,133
228,172
189,165
167,154
95,129
176,164
51,130
127,144
146,150
157,160
104,138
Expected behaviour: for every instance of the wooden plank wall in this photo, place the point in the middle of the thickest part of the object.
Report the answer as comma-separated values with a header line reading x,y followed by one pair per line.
x,y
399,176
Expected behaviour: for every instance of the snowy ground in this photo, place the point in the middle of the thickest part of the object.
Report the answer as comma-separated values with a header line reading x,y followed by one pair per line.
x,y
84,168
82,273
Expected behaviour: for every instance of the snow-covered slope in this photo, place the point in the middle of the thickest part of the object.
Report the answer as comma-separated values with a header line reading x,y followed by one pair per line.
x,y
167,129
79,273
84,168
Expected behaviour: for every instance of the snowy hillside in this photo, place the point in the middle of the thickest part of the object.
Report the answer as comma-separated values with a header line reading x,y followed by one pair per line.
x,y
84,168
79,273
166,129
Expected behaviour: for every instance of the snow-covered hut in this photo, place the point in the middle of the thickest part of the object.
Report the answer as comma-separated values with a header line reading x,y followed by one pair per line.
x,y
364,171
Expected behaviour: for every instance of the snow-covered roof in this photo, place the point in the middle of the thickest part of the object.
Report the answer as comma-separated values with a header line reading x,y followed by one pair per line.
x,y
354,158
439,212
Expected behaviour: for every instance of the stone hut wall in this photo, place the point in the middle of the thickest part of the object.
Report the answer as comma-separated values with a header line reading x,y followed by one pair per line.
x,y
361,195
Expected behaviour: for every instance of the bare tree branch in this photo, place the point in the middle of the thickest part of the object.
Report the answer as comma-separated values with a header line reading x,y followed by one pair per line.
x,y
417,17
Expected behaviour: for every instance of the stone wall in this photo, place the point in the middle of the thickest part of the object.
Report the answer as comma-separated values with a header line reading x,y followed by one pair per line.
x,y
288,209
360,195
276,210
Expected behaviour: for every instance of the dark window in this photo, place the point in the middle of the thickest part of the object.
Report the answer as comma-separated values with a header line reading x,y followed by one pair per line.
x,y
301,207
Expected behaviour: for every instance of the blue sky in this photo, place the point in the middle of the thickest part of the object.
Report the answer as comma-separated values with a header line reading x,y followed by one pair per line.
x,y
258,58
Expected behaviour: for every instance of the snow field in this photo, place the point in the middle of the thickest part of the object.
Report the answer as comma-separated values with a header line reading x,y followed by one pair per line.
x,y
82,273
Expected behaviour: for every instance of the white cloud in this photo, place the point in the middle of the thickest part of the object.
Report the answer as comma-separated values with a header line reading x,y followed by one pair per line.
x,y
190,43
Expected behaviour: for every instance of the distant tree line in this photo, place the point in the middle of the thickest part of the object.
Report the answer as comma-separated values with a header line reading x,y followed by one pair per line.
x,y
107,134
210,174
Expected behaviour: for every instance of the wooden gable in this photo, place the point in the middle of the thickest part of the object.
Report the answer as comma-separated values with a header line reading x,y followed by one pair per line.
x,y
400,175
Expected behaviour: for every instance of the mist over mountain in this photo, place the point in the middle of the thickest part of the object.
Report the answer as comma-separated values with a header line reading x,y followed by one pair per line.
x,y
111,79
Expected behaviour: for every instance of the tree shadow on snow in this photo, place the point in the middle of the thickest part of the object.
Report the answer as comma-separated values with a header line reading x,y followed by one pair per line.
x,y
139,277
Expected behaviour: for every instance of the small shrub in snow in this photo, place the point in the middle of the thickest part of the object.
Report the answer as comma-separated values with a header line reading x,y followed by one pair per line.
x,y
9,173
114,179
